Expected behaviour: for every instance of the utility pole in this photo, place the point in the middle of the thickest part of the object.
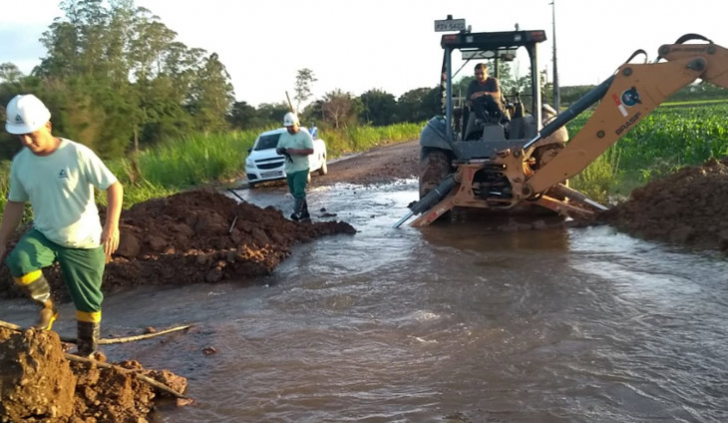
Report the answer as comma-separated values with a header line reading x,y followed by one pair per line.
x,y
556,72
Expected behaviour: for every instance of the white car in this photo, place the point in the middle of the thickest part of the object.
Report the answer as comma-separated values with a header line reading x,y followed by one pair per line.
x,y
264,164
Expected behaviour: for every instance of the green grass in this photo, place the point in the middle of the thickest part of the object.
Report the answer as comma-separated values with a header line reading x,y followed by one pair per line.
x,y
362,138
203,159
665,140
695,103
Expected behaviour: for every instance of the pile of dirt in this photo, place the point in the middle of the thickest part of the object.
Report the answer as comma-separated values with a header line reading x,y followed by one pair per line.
x,y
687,207
197,236
38,384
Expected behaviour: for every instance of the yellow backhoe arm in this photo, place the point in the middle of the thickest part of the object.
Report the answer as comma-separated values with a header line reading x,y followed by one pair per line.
x,y
636,90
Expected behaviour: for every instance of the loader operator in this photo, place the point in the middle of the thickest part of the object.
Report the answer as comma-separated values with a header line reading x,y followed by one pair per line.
x,y
484,96
58,177
296,145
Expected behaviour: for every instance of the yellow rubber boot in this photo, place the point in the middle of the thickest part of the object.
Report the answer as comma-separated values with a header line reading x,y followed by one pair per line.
x,y
36,286
87,332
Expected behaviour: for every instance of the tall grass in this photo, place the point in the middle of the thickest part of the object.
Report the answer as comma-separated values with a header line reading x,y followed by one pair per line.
x,y
201,159
362,138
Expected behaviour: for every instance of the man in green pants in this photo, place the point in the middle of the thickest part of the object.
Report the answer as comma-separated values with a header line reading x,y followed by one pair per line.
x,y
296,145
58,177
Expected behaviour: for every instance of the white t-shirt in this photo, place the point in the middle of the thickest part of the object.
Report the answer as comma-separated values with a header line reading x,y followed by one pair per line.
x,y
60,188
300,140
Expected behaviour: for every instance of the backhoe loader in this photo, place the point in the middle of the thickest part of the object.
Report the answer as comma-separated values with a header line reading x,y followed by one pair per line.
x,y
507,167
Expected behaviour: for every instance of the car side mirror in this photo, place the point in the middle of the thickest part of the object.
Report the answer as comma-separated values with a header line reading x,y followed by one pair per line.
x,y
250,149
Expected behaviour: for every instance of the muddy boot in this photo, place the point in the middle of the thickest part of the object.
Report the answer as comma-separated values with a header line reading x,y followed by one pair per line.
x,y
304,211
297,209
47,316
36,286
87,337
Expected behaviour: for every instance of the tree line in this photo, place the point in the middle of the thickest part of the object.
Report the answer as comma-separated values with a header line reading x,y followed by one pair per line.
x,y
116,78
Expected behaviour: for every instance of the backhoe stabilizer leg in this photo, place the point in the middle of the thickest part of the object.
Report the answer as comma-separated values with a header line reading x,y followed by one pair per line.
x,y
563,208
578,197
434,213
431,199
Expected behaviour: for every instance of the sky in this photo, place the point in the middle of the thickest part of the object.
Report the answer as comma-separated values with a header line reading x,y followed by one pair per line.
x,y
390,45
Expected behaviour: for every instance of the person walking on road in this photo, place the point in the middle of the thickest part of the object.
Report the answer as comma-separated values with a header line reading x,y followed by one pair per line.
x,y
57,176
296,145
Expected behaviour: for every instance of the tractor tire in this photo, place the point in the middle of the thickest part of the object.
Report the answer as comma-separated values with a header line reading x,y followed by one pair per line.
x,y
434,168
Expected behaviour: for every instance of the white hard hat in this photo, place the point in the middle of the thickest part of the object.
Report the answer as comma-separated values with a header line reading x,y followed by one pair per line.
x,y
26,114
290,119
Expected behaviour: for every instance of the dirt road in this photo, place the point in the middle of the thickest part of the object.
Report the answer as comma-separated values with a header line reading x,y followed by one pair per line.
x,y
379,165
382,164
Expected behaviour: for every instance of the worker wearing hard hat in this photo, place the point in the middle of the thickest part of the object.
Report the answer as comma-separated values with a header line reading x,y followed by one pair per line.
x,y
296,145
57,176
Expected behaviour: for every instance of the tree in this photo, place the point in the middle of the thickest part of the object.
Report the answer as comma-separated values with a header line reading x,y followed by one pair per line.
x,y
115,77
419,104
378,108
272,113
304,79
339,108
211,95
10,73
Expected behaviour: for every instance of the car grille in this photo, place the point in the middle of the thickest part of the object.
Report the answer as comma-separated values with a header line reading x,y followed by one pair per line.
x,y
268,165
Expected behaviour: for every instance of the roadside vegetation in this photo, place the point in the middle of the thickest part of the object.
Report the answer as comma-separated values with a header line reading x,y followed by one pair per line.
x,y
664,141
164,116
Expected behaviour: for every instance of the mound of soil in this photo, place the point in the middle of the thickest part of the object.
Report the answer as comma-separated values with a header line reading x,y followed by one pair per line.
x,y
687,207
38,384
197,236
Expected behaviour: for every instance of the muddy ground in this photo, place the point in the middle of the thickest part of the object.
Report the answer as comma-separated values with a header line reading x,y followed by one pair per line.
x,y
39,384
204,236
687,208
377,166
194,237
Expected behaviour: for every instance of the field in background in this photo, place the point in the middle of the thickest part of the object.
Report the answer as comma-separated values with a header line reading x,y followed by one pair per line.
x,y
203,159
665,140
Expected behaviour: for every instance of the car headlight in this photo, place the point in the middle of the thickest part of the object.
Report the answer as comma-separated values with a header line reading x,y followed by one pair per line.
x,y
249,162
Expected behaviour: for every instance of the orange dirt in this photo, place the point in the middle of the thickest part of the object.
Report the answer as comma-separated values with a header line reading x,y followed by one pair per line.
x,y
38,384
190,238
197,236
688,207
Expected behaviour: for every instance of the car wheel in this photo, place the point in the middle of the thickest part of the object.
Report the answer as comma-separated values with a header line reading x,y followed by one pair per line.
x,y
323,170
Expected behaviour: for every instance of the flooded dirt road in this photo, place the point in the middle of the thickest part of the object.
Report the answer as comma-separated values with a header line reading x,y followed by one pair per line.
x,y
445,324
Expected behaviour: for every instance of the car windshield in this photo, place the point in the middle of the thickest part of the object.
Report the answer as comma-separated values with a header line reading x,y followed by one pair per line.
x,y
267,142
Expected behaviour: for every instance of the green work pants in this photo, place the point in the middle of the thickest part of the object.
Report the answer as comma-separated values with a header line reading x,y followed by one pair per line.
x,y
297,183
82,269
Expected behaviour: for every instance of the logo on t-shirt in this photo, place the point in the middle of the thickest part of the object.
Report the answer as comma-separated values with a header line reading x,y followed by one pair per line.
x,y
62,174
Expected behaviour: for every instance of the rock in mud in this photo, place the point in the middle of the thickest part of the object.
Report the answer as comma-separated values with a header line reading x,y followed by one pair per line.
x,y
687,207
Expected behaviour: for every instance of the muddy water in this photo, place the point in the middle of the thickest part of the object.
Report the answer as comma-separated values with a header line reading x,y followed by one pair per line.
x,y
446,324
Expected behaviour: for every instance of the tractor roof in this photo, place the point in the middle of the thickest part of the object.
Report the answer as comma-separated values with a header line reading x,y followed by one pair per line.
x,y
492,40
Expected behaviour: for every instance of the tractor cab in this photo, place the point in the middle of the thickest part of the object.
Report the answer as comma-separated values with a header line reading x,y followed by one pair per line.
x,y
467,136
458,137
